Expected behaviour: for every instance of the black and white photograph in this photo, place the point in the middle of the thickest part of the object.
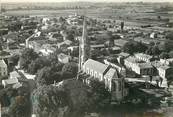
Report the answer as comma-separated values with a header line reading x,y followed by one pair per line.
x,y
86,58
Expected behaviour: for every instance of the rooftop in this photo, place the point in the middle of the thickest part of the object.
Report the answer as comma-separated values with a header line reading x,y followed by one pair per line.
x,y
2,63
112,73
95,65
62,56
143,55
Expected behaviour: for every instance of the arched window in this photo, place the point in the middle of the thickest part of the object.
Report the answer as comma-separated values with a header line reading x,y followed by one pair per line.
x,y
114,86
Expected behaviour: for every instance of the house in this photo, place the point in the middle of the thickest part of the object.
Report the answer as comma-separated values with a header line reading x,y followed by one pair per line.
x,y
153,35
95,69
120,42
165,71
138,66
121,57
14,74
167,61
66,42
9,82
143,57
162,69
3,68
63,58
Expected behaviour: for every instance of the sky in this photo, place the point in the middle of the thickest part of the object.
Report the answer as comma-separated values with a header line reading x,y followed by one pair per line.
x,y
86,0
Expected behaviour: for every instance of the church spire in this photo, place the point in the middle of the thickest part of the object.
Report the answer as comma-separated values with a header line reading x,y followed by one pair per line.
x,y
84,46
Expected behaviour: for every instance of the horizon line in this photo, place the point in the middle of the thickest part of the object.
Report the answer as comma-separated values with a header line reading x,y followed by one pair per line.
x,y
89,2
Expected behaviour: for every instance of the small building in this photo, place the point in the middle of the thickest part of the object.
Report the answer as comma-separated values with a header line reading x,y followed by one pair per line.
x,y
167,61
63,58
153,35
138,66
165,71
9,82
3,68
14,74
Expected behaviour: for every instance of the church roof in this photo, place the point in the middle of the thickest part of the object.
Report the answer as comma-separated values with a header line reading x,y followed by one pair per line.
x,y
112,73
96,66
2,63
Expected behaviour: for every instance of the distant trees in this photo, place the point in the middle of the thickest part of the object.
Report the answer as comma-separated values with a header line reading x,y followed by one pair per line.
x,y
14,60
70,69
169,35
27,56
132,47
37,64
164,55
153,50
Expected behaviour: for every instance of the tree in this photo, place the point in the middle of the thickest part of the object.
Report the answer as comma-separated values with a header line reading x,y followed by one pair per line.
x,y
47,76
37,64
153,50
166,46
95,53
171,54
27,56
49,101
132,47
70,68
169,35
164,55
100,94
14,59
20,107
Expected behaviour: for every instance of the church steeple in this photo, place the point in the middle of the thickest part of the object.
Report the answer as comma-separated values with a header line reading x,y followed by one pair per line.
x,y
84,46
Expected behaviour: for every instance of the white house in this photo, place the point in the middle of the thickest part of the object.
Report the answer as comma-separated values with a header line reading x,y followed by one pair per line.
x,y
9,82
63,58
143,57
138,66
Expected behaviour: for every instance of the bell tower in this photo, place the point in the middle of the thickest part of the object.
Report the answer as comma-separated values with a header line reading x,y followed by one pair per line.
x,y
84,46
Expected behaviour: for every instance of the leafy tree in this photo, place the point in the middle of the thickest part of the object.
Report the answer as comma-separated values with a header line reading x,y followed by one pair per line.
x,y
132,47
153,50
171,54
27,56
71,68
166,46
48,100
95,53
164,55
169,35
20,107
37,64
14,59
47,76
100,94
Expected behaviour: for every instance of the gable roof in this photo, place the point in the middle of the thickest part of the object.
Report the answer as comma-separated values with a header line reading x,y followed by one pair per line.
x,y
96,66
112,73
2,63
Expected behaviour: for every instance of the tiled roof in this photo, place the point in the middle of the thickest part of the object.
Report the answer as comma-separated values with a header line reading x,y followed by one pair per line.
x,y
96,66
112,73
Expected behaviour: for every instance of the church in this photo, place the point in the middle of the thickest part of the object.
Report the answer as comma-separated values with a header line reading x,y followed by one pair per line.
x,y
97,70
